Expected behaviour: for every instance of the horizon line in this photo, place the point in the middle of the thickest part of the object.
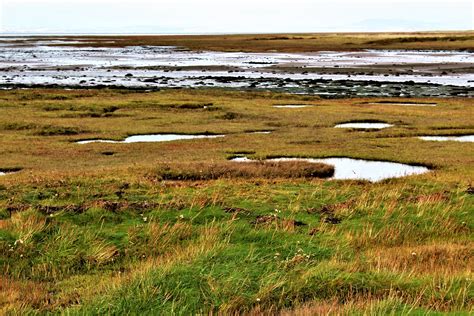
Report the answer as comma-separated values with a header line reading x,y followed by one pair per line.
x,y
217,33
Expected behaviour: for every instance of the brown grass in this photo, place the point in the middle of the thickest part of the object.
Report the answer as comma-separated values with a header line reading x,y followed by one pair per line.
x,y
15,295
444,259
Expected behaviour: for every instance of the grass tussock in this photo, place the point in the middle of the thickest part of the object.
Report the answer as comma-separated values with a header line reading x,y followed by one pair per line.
x,y
18,126
92,112
58,131
193,106
231,170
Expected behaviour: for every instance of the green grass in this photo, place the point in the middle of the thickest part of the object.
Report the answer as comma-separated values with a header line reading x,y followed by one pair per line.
x,y
82,232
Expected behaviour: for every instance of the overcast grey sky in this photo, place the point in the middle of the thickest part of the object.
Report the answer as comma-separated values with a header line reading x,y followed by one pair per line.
x,y
232,16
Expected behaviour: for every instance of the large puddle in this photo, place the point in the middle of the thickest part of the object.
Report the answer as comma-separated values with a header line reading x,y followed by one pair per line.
x,y
291,106
260,132
358,169
152,138
403,103
364,125
465,138
40,62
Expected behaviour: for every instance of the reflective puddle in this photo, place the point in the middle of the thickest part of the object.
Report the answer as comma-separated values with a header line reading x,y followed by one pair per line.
x,y
152,138
291,106
465,138
260,132
359,169
364,125
403,103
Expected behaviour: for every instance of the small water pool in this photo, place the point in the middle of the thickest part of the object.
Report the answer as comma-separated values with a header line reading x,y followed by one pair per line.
x,y
464,138
291,106
364,125
151,138
403,103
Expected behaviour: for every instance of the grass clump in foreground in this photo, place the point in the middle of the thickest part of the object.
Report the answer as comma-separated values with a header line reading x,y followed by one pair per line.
x,y
140,230
248,170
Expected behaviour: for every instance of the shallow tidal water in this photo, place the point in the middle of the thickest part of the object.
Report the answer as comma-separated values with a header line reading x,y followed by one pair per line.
x,y
41,62
358,169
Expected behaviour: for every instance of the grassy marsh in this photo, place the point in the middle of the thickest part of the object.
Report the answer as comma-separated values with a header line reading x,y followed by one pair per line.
x,y
307,42
97,229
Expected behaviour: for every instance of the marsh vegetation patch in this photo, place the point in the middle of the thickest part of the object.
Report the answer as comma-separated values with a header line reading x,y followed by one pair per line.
x,y
193,106
74,221
59,131
253,169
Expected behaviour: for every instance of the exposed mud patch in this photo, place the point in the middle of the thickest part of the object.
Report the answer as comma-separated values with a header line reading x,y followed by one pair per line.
x,y
287,224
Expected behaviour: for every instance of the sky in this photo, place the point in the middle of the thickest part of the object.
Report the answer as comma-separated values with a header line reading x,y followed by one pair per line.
x,y
232,16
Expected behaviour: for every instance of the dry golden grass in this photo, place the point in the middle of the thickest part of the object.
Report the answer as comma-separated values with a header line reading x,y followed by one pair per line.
x,y
16,295
26,224
435,259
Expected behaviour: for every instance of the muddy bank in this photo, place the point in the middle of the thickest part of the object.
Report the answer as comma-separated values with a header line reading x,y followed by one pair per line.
x,y
323,88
